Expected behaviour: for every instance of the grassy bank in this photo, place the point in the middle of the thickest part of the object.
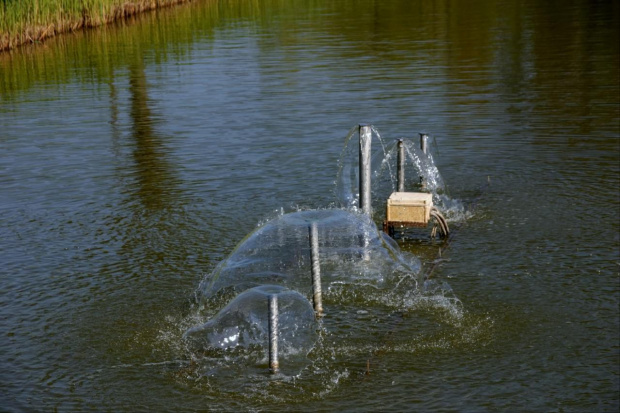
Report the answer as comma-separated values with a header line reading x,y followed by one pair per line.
x,y
31,21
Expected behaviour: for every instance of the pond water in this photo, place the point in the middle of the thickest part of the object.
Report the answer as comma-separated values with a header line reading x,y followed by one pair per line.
x,y
135,157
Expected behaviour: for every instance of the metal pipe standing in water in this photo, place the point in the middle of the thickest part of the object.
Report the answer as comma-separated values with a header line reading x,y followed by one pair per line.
x,y
316,270
401,166
423,146
365,132
273,334
423,141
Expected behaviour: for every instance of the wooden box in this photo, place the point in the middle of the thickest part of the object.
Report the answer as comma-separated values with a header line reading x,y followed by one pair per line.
x,y
409,207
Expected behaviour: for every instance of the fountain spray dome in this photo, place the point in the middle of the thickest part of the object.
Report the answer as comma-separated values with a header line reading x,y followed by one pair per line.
x,y
244,324
351,248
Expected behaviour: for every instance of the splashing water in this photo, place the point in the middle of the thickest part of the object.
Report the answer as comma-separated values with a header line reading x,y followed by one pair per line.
x,y
419,167
347,180
352,250
361,268
244,323
424,164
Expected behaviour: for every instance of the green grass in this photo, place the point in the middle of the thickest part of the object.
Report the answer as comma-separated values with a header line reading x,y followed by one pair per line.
x,y
30,21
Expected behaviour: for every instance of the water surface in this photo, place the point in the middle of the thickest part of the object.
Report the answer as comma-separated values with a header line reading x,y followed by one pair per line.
x,y
136,156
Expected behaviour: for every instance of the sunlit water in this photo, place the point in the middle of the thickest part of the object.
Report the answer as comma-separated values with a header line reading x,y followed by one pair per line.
x,y
135,159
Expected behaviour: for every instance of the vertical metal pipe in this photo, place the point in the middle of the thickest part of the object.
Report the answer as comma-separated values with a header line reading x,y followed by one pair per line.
x,y
401,166
423,141
316,270
365,132
423,146
273,334
364,243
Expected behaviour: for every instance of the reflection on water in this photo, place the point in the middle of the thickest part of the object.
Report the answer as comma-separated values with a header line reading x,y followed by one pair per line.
x,y
155,180
135,157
